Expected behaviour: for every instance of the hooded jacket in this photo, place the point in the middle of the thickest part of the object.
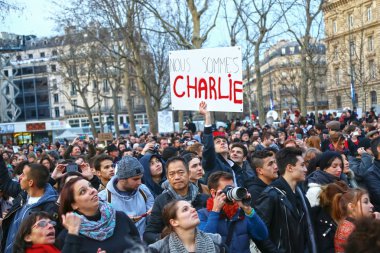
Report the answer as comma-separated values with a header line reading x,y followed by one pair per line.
x,y
132,204
19,209
147,179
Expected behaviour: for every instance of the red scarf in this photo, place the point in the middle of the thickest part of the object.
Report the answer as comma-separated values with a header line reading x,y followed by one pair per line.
x,y
228,211
42,248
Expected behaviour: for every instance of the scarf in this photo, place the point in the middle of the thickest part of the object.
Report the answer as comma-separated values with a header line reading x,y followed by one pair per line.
x,y
228,211
322,177
101,229
203,243
42,248
191,194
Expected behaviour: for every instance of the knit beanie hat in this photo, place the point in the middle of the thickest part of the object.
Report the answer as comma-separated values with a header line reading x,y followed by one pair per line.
x,y
129,167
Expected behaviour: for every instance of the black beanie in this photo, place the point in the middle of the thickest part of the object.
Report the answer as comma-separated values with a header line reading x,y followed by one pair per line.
x,y
327,157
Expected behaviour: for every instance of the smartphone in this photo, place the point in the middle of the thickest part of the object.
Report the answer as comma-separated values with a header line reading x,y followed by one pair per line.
x,y
82,137
299,136
72,167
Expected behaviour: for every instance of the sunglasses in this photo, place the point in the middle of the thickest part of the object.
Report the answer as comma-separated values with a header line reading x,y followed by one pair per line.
x,y
44,223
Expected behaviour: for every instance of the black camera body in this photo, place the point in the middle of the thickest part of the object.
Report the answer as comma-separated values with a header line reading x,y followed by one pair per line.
x,y
235,193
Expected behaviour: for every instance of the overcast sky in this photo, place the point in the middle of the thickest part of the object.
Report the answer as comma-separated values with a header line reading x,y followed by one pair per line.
x,y
34,19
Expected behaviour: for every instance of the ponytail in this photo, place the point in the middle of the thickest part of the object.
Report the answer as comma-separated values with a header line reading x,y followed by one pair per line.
x,y
337,212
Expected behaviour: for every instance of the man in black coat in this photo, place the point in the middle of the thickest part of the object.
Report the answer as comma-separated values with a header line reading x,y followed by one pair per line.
x,y
372,176
285,209
216,151
264,162
179,188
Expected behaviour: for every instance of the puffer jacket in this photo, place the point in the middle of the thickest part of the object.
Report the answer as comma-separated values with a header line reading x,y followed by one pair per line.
x,y
360,166
244,228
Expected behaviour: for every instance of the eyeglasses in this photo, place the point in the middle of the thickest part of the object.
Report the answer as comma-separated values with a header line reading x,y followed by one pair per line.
x,y
44,223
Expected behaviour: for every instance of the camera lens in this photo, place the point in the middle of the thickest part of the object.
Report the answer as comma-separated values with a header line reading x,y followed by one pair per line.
x,y
236,193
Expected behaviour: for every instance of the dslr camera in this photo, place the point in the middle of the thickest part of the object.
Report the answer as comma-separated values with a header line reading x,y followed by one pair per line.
x,y
236,193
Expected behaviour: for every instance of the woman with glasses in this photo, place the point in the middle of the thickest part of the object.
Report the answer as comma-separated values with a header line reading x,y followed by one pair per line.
x,y
37,234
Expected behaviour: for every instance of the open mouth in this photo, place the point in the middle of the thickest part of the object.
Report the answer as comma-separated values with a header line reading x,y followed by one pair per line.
x,y
52,233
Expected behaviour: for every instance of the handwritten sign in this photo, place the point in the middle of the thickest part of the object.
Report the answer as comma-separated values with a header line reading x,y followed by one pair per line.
x,y
213,75
105,136
165,121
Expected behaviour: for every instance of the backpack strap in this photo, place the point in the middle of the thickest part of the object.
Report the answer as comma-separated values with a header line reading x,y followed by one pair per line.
x,y
108,196
143,194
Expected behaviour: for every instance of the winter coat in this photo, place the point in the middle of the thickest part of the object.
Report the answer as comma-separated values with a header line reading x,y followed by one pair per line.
x,y
19,209
325,228
211,161
283,212
162,246
155,224
125,236
243,228
256,188
314,182
134,204
372,181
154,188
360,166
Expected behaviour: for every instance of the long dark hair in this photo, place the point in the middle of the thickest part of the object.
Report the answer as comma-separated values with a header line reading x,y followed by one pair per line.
x,y
25,229
169,212
67,196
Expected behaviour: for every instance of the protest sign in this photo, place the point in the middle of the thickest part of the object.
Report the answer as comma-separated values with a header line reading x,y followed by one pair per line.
x,y
213,75
105,136
165,121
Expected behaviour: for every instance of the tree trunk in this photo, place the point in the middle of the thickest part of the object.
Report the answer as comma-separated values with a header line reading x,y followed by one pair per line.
x,y
259,82
115,111
89,115
128,100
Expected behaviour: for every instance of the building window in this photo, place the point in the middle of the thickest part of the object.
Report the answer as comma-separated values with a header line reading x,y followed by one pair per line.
x,y
119,102
94,85
53,68
105,86
335,27
54,52
338,102
56,98
30,56
372,70
373,98
74,104
54,84
56,110
7,90
106,104
337,77
73,90
42,54
121,120
352,48
336,54
18,57
369,13
370,43
350,21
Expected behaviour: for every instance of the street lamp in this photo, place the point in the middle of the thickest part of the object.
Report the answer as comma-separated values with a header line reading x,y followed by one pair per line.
x,y
110,122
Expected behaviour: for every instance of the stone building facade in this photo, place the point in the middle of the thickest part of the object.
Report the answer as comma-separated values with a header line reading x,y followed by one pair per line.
x,y
353,50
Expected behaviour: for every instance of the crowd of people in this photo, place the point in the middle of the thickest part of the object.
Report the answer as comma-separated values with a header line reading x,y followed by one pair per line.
x,y
308,185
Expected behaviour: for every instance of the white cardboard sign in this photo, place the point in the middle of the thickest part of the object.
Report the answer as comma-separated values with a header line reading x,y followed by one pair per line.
x,y
213,75
165,122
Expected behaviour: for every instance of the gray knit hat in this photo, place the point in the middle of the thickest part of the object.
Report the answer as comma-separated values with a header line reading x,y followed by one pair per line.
x,y
129,167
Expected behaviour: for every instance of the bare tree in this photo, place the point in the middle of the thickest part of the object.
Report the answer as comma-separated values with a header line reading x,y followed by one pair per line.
x,y
77,61
183,23
260,17
307,14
